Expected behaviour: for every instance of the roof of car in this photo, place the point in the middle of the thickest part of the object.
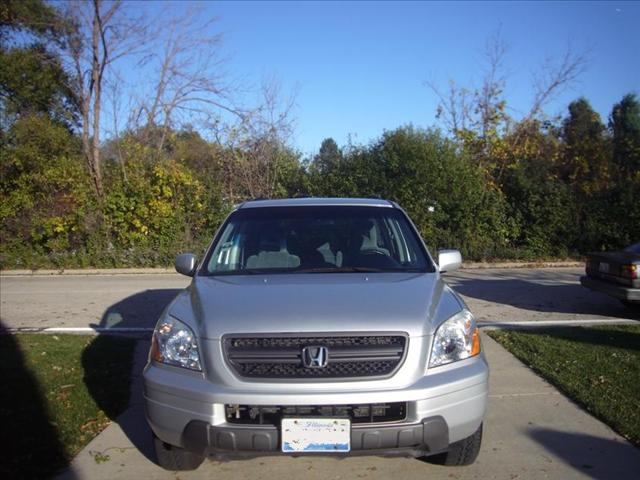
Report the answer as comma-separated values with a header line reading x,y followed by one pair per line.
x,y
308,202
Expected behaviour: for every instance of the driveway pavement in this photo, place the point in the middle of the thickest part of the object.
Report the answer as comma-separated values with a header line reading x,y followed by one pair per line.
x,y
531,432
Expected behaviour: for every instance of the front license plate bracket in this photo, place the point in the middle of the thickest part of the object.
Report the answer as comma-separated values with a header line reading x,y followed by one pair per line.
x,y
308,435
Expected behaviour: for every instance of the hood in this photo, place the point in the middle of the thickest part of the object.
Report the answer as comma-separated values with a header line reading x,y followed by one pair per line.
x,y
414,303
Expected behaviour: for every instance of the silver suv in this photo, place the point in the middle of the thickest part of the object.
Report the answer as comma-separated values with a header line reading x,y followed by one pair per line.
x,y
316,326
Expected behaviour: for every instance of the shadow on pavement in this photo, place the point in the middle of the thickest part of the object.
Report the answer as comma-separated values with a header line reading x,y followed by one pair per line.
x,y
140,310
595,457
31,447
547,294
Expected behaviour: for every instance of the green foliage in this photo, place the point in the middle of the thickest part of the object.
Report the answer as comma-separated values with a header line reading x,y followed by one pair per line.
x,y
540,205
536,191
443,192
625,125
44,189
160,208
30,16
585,148
32,78
423,171
33,81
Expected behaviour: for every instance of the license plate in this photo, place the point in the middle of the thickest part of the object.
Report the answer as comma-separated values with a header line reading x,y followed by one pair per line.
x,y
316,435
603,267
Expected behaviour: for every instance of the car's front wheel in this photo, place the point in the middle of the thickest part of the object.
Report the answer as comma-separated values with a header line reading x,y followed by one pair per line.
x,y
460,453
175,458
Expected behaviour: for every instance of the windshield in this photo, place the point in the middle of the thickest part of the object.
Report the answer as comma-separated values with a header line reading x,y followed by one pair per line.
x,y
316,240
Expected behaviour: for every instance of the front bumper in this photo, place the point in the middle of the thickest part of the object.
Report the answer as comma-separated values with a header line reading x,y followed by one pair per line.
x,y
614,290
444,406
427,437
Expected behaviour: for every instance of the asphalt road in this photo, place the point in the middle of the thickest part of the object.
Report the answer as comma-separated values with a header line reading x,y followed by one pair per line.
x,y
135,301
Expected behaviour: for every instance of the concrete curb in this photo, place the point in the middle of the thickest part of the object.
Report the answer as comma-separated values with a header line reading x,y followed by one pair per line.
x,y
165,271
87,271
489,265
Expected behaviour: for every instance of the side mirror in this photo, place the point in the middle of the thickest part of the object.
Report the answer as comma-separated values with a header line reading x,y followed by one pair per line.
x,y
186,264
449,260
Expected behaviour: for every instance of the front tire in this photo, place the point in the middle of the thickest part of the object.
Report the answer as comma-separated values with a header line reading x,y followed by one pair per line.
x,y
460,453
175,458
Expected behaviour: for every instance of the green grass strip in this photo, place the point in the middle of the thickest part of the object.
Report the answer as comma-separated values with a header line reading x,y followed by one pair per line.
x,y
58,392
597,367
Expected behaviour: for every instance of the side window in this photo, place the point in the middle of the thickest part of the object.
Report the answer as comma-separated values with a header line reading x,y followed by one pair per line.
x,y
398,241
226,254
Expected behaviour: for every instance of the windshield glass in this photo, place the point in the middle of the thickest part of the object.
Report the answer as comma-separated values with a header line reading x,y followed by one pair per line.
x,y
316,240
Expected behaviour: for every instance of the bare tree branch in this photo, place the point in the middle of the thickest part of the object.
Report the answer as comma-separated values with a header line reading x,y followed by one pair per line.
x,y
453,107
486,112
489,101
189,78
481,108
256,145
555,77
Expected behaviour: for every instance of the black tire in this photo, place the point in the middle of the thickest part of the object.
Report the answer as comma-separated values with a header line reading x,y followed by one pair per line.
x,y
460,453
175,458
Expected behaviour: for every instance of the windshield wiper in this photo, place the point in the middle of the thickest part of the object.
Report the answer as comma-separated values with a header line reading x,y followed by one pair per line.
x,y
358,270
339,270
349,269
252,271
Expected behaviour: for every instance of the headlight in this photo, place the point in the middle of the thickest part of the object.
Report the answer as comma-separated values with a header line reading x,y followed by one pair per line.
x,y
456,339
174,343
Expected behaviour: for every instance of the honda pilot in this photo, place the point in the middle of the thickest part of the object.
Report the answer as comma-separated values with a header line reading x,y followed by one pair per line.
x,y
316,327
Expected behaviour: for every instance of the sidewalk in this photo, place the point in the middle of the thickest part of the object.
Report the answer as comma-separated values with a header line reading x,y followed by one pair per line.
x,y
531,432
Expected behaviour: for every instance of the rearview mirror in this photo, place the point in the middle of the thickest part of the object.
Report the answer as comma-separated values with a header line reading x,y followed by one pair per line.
x,y
186,264
449,260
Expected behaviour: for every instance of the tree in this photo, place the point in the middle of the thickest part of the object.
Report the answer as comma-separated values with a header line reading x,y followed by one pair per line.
x,y
328,157
623,202
32,77
584,158
541,205
336,172
189,83
33,17
33,81
479,117
555,76
625,126
326,176
101,34
256,147
584,166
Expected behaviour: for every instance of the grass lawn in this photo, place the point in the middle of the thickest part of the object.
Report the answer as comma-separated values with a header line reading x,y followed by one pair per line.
x,y
598,367
58,392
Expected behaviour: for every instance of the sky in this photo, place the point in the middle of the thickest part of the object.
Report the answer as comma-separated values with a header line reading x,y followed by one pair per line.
x,y
359,68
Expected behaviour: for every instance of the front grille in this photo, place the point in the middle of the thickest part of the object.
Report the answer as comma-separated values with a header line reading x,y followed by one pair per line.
x,y
271,415
349,356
